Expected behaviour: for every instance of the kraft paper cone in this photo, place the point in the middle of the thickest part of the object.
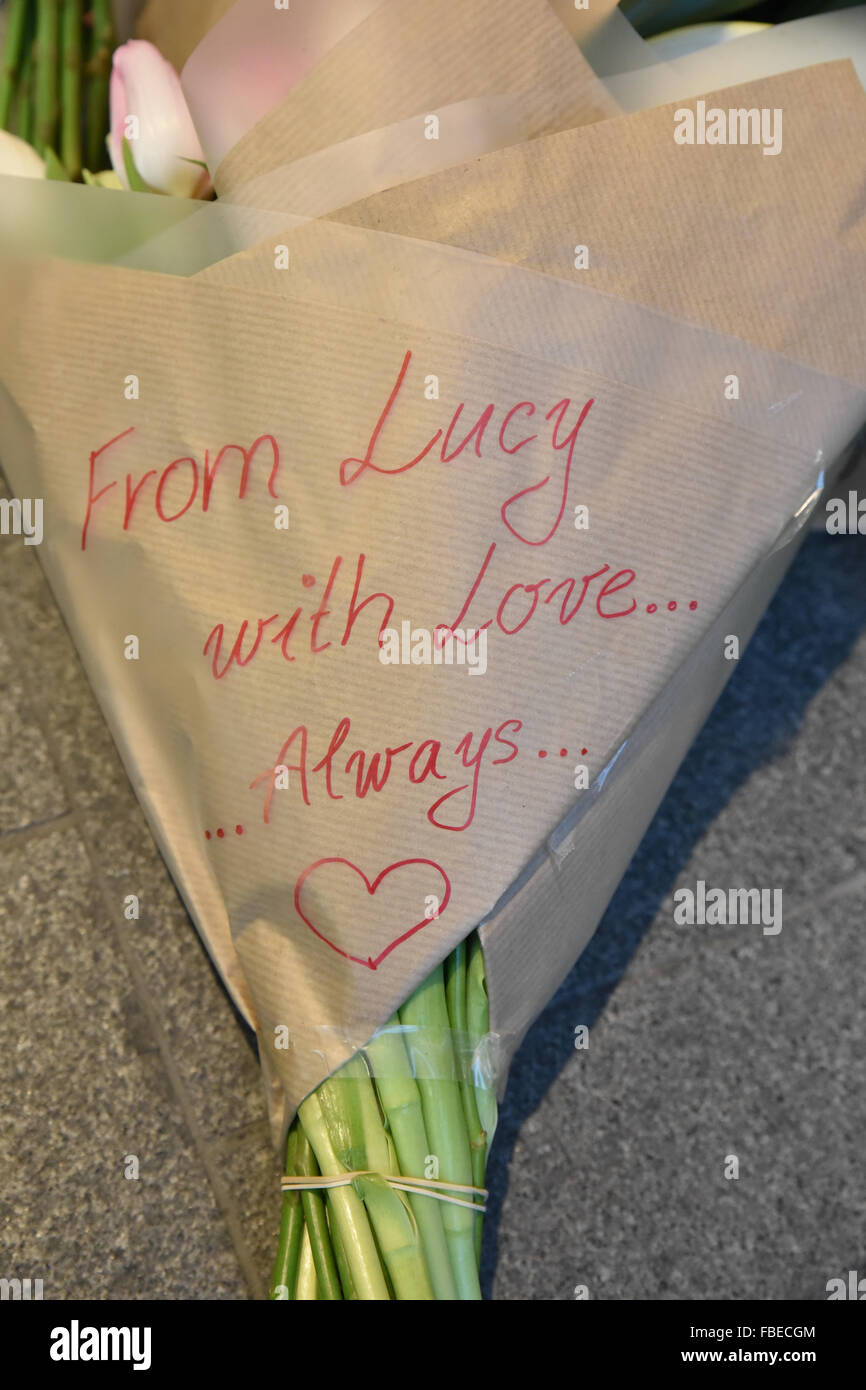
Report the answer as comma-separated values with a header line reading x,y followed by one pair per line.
x,y
824,327
589,853
222,366
605,646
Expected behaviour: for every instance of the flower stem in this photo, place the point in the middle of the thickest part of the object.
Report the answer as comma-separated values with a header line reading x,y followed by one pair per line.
x,y
47,73
345,1206
291,1231
306,1285
362,1144
99,74
478,1025
71,88
21,119
478,1018
401,1102
456,992
316,1222
13,52
432,1056
347,1283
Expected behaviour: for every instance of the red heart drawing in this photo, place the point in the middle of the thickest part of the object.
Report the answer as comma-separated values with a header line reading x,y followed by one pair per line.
x,y
370,963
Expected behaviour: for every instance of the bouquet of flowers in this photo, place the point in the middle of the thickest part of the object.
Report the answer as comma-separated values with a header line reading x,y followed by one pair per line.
x,y
407,466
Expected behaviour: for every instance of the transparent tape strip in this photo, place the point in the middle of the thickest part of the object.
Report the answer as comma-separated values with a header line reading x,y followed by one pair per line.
x,y
429,1054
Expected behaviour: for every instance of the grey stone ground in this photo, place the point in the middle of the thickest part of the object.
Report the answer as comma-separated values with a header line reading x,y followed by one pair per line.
x,y
117,1039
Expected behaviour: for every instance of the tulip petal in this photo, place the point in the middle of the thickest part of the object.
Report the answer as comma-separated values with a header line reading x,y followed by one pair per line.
x,y
17,157
162,137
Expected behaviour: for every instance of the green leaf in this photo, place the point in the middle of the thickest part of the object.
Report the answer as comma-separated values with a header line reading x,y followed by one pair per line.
x,y
136,182
199,162
106,179
53,167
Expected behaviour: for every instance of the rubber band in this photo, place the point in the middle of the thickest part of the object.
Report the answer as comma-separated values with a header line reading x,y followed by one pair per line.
x,y
426,1187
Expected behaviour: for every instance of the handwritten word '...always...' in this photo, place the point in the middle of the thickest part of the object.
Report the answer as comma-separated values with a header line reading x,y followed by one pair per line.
x,y
357,773
512,435
181,484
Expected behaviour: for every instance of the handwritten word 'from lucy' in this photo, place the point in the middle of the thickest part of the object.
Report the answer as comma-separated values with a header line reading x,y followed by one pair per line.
x,y
187,482
512,423
182,484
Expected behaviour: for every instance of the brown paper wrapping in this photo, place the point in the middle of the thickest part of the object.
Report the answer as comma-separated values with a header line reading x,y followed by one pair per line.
x,y
769,249
176,28
700,505
407,60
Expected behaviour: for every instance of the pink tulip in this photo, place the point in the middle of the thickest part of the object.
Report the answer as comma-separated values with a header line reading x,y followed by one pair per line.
x,y
162,139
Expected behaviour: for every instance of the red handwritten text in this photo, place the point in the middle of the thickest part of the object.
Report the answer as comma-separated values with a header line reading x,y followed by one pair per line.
x,y
351,469
359,772
288,637
180,484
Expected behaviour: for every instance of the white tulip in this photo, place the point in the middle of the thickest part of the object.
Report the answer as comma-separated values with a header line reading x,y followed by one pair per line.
x,y
149,110
17,157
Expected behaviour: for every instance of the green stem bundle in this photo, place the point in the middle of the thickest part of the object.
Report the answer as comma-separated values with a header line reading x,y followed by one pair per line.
x,y
432,1054
401,1102
55,73
407,1105
362,1145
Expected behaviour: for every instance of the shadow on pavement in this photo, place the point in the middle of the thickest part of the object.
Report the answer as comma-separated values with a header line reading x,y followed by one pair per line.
x,y
805,635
